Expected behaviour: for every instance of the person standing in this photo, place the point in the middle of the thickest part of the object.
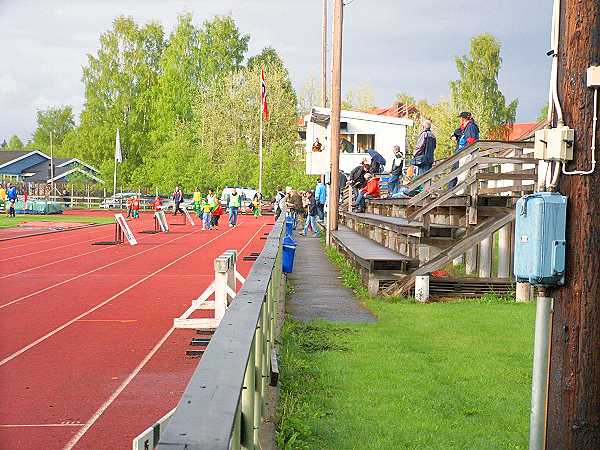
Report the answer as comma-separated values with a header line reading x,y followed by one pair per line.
x,y
469,133
197,199
311,221
424,149
216,215
12,199
206,214
279,202
234,204
211,198
130,206
397,171
3,197
157,203
136,207
321,198
177,199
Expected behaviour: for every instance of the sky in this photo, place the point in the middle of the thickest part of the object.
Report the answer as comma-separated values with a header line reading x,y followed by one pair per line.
x,y
393,45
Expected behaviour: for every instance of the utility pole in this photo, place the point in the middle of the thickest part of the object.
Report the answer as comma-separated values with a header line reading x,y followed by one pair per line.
x,y
324,58
336,105
573,412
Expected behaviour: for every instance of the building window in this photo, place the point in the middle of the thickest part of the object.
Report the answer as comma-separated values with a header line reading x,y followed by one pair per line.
x,y
347,143
365,142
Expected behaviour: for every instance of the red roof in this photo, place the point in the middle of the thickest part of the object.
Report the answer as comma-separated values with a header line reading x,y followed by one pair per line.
x,y
520,131
395,110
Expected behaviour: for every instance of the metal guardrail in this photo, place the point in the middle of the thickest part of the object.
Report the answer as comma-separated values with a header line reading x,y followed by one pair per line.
x,y
224,403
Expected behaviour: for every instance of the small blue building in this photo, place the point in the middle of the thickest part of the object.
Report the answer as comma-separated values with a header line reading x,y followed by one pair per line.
x,y
34,166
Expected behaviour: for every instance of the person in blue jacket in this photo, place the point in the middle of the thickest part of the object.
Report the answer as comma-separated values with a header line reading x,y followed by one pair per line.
x,y
320,198
470,134
11,194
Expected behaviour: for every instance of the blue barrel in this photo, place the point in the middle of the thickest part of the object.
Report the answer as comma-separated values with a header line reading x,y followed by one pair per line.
x,y
289,249
289,226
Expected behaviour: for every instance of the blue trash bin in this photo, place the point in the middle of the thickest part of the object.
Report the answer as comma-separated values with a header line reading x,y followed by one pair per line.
x,y
289,226
289,249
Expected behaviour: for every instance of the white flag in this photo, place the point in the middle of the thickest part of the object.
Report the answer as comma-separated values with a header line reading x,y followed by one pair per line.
x,y
118,155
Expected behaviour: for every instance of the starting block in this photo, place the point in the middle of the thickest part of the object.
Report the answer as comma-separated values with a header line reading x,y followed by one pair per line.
x,y
121,230
224,290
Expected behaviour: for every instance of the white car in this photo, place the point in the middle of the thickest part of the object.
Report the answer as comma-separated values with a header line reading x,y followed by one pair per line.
x,y
118,201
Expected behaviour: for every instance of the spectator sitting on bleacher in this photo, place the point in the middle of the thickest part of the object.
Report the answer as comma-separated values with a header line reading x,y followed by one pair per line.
x,y
371,190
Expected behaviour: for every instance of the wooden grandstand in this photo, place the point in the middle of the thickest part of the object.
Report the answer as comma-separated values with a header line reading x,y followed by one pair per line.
x,y
396,240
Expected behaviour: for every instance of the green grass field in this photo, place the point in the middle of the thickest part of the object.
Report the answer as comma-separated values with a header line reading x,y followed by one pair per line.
x,y
426,376
6,222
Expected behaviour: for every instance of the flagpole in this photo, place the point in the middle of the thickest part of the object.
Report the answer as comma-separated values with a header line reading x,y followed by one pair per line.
x,y
260,142
115,174
51,168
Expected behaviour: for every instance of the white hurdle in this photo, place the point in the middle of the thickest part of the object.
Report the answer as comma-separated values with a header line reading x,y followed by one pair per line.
x,y
224,289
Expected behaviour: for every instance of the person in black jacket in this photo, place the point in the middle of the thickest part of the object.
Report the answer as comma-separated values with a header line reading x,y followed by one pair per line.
x,y
397,171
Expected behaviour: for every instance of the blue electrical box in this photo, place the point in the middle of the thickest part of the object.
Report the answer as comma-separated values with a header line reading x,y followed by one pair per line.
x,y
540,227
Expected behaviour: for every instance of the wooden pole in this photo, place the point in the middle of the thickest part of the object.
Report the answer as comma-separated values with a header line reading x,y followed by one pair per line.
x,y
573,416
336,105
324,58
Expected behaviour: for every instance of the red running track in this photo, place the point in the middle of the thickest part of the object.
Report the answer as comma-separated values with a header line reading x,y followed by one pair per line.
x,y
88,356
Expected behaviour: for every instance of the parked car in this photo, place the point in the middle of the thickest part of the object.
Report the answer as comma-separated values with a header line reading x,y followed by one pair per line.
x,y
187,204
117,201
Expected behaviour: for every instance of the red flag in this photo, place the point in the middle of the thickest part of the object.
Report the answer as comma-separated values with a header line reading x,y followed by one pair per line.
x,y
263,94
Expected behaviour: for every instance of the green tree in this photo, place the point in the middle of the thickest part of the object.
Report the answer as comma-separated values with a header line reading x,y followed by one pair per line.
x,y
309,96
119,84
361,99
543,115
57,120
14,143
477,89
179,80
222,48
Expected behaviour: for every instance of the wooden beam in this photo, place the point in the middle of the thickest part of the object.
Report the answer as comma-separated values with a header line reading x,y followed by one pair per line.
x,y
574,383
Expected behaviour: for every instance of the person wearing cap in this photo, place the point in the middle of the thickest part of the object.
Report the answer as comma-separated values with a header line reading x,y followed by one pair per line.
x,y
397,170
469,134
371,190
424,149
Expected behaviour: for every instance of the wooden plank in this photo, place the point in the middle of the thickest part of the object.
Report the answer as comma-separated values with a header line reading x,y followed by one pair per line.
x,y
514,188
365,248
511,160
443,180
506,176
439,201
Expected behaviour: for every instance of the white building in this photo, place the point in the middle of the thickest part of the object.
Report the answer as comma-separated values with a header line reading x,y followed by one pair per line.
x,y
359,133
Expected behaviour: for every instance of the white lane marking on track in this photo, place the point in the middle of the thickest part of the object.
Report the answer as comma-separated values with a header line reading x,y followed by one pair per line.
x,y
42,425
11,247
92,271
47,250
57,261
53,262
75,439
100,305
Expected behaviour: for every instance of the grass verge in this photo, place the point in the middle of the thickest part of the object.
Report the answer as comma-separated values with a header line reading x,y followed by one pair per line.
x,y
425,376
8,222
